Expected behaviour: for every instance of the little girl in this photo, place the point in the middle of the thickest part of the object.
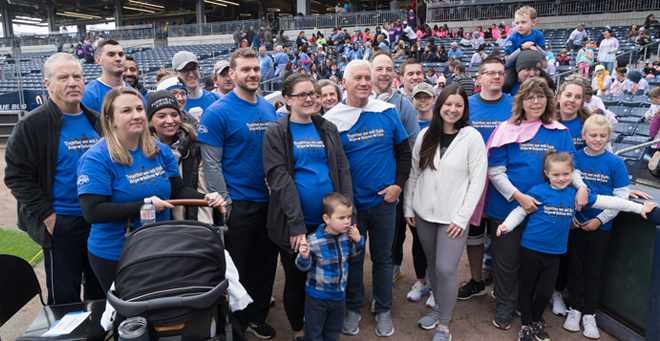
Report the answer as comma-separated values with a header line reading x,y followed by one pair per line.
x,y
431,76
546,236
585,57
563,57
605,174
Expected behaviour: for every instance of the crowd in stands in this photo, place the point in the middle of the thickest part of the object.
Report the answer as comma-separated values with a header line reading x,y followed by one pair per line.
x,y
370,141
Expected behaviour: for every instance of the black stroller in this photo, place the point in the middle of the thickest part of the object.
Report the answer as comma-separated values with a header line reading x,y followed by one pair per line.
x,y
173,275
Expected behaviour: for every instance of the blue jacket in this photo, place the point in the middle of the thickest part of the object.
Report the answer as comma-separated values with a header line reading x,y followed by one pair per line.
x,y
328,262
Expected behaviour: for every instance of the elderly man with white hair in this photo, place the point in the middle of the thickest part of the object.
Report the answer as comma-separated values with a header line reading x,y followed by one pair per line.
x,y
280,60
376,145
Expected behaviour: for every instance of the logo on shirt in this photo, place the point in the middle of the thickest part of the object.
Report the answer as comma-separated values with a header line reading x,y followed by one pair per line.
x,y
558,214
202,129
595,178
258,127
535,148
366,137
486,125
146,177
509,43
578,140
83,179
79,147
310,147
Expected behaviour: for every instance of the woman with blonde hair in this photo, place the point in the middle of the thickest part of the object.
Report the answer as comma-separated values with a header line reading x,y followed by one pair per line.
x,y
118,173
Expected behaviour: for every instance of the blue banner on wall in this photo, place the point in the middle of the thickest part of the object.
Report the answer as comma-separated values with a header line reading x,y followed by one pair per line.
x,y
32,98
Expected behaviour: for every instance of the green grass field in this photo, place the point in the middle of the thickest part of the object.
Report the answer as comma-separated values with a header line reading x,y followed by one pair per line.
x,y
19,244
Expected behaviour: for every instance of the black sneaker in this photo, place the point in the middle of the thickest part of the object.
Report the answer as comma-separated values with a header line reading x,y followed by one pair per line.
x,y
261,330
538,329
525,334
471,289
502,322
487,276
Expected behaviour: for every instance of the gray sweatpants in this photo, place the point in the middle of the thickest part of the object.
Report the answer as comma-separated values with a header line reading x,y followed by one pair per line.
x,y
505,252
442,254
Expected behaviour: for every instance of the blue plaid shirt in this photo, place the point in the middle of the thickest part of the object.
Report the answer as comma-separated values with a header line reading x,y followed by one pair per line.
x,y
328,263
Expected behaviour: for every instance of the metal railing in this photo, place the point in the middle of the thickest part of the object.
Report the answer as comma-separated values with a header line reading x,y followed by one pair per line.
x,y
341,19
227,27
148,31
463,11
49,39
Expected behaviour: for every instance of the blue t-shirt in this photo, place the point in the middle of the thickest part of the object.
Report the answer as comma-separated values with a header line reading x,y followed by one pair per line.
x,y
312,174
514,41
95,92
524,165
238,127
514,89
76,137
547,229
602,174
486,117
575,129
392,34
202,102
304,56
369,147
384,46
423,124
265,63
456,54
98,174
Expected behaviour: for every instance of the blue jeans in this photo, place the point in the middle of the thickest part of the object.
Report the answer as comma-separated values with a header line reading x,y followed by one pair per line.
x,y
379,221
609,66
238,45
323,318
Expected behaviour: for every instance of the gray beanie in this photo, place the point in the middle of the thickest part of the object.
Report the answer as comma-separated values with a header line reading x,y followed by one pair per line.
x,y
528,58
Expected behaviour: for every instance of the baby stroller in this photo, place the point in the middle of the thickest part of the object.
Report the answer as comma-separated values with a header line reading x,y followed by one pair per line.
x,y
173,275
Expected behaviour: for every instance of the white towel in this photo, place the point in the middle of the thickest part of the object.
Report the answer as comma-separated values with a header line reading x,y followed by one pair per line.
x,y
345,116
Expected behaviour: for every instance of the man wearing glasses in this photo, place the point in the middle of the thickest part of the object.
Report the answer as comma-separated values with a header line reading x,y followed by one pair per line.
x,y
186,67
488,109
176,87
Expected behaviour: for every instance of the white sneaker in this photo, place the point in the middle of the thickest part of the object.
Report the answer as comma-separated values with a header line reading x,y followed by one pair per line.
x,y
558,305
573,320
431,301
418,291
590,328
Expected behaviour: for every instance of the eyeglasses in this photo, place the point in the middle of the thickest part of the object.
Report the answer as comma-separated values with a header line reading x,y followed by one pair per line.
x,y
493,73
540,98
194,70
182,94
303,96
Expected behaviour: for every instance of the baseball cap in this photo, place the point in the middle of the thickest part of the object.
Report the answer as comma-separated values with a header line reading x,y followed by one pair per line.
x,y
405,23
454,44
425,88
220,66
171,83
181,59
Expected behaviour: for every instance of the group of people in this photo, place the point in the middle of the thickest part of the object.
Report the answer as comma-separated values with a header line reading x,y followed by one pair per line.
x,y
527,170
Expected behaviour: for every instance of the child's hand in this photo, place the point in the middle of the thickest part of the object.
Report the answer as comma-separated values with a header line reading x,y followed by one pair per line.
x,y
591,225
527,45
304,250
502,229
647,208
575,224
354,234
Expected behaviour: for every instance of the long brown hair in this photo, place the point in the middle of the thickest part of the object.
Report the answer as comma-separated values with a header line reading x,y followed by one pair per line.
x,y
433,137
583,112
529,86
118,151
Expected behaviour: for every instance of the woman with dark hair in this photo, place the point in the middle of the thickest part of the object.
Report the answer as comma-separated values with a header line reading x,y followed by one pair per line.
x,y
515,153
488,34
288,71
303,160
301,40
460,33
449,166
650,22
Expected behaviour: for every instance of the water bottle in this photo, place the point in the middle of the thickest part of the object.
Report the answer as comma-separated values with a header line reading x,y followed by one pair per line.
x,y
147,212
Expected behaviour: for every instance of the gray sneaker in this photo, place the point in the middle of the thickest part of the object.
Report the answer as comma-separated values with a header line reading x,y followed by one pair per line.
x,y
442,334
431,320
384,325
351,321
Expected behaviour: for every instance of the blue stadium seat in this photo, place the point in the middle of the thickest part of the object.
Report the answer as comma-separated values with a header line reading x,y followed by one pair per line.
x,y
620,111
625,128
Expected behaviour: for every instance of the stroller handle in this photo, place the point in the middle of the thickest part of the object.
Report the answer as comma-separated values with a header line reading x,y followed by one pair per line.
x,y
200,301
193,202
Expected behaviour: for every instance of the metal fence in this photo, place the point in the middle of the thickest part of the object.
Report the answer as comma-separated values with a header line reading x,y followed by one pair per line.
x,y
226,27
149,31
452,11
341,19
47,39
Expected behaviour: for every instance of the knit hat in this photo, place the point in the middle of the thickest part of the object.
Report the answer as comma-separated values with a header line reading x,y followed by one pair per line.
x,y
528,58
599,68
635,76
159,100
425,88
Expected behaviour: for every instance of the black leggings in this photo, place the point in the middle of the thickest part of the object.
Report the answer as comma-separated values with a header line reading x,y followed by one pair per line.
x,y
294,288
538,273
104,269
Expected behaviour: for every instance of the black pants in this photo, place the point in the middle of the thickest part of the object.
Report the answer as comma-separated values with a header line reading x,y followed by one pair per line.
x,y
538,273
294,288
104,269
419,258
67,265
586,255
254,255
562,275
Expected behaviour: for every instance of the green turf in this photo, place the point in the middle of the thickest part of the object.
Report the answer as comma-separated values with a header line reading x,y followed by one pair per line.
x,y
19,244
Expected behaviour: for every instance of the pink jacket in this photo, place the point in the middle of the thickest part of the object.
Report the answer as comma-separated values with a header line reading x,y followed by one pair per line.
x,y
654,128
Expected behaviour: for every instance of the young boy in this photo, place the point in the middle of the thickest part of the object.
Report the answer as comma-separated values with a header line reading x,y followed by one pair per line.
x,y
328,270
525,38
563,58
654,97
334,72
